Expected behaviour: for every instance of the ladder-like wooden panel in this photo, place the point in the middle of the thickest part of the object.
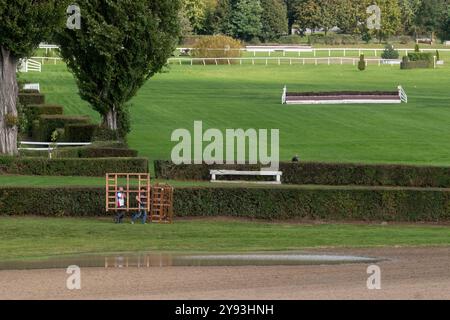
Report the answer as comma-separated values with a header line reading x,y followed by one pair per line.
x,y
161,204
158,199
132,185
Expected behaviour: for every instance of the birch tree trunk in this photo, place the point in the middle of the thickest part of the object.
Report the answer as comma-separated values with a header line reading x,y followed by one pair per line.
x,y
8,103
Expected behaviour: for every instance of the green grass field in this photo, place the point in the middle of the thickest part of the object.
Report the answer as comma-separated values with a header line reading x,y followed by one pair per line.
x,y
31,238
249,97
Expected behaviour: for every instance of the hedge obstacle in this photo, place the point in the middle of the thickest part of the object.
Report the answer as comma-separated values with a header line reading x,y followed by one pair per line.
x,y
345,97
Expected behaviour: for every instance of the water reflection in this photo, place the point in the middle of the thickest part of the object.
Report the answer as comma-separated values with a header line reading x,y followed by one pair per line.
x,y
161,260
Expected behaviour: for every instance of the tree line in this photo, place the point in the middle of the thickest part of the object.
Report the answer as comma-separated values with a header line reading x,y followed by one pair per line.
x,y
267,20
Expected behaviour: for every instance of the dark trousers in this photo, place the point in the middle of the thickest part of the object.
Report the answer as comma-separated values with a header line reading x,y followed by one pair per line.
x,y
120,216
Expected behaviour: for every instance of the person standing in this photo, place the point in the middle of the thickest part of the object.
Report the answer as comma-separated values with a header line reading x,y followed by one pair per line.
x,y
142,201
120,201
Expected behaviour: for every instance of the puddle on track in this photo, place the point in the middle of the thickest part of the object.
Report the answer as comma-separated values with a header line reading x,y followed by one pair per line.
x,y
152,260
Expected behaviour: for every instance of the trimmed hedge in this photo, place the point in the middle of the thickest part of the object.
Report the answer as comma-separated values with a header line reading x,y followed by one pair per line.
x,y
96,152
49,123
33,112
79,132
31,98
312,173
52,202
416,60
72,167
107,153
338,204
36,110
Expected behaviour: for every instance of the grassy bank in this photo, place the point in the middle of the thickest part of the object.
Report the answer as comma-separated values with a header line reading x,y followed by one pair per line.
x,y
26,238
249,97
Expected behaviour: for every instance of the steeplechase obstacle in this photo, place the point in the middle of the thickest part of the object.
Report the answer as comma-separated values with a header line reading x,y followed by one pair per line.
x,y
345,97
159,198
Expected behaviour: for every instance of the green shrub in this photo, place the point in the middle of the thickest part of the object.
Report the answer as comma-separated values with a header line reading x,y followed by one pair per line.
x,y
72,167
438,55
332,204
390,52
31,98
362,63
44,109
421,56
291,39
416,60
105,134
217,46
79,132
315,173
49,123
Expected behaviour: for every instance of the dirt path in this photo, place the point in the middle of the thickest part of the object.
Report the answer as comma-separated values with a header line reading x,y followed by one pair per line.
x,y
412,273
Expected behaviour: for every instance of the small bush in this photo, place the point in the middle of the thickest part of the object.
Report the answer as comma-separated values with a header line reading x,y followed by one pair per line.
x,y
421,56
31,98
362,63
390,52
79,132
217,47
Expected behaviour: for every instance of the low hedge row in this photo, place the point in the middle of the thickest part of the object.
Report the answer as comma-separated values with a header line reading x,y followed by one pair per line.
x,y
407,65
31,98
33,112
49,123
72,167
312,173
79,132
338,204
96,152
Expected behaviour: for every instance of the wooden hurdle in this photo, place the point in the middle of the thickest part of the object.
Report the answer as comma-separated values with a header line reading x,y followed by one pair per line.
x,y
159,197
161,204
131,181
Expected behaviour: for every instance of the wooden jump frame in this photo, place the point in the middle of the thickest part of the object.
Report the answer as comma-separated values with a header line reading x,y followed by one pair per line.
x,y
159,204
394,97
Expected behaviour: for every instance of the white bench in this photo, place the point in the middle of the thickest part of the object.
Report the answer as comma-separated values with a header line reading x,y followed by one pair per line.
x,y
216,173
32,86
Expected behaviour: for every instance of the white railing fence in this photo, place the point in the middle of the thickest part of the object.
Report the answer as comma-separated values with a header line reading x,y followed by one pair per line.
x,y
315,51
50,146
281,60
28,65
402,94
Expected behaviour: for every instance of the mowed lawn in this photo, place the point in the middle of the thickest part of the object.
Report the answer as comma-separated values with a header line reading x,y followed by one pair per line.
x,y
30,238
250,97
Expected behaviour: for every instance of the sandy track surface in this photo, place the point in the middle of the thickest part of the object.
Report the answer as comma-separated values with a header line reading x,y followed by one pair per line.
x,y
409,273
